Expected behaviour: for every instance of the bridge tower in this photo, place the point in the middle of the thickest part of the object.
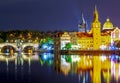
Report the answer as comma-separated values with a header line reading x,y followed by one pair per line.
x,y
96,25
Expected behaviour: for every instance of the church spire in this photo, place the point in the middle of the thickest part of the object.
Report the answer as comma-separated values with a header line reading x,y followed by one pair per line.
x,y
83,19
96,16
82,25
95,23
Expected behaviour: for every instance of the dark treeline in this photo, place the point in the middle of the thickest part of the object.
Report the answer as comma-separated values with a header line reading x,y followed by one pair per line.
x,y
25,34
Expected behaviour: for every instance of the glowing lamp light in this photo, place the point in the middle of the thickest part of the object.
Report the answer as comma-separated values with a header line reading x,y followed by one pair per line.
x,y
112,48
45,57
114,57
44,46
103,47
36,45
103,58
49,47
117,56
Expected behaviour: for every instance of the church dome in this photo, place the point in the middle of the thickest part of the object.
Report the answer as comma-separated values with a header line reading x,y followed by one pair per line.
x,y
107,24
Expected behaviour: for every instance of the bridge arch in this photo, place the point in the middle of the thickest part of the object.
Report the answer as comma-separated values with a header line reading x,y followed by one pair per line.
x,y
30,46
7,48
8,44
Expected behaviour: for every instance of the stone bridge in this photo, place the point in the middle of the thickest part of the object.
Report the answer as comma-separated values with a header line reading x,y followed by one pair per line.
x,y
14,45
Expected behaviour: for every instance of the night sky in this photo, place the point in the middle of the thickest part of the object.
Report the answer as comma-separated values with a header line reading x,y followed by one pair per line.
x,y
52,15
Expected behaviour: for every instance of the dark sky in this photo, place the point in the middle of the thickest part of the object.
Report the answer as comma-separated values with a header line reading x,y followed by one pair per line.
x,y
51,15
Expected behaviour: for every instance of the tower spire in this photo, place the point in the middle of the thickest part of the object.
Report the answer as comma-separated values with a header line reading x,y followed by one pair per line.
x,y
82,25
95,8
83,19
96,15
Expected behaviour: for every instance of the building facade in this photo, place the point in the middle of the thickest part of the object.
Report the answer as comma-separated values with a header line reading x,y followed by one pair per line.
x,y
98,37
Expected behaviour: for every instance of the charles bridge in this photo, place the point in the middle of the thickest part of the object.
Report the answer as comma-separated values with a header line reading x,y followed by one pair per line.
x,y
15,46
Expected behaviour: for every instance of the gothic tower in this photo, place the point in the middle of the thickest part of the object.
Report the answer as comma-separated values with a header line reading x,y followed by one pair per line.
x,y
96,25
82,26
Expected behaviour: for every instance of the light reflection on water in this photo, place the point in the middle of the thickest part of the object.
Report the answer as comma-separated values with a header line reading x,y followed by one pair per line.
x,y
82,66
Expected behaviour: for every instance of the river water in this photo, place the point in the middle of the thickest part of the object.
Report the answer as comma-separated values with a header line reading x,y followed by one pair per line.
x,y
47,68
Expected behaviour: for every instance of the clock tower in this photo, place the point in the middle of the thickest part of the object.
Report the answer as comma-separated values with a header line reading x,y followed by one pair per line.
x,y
96,25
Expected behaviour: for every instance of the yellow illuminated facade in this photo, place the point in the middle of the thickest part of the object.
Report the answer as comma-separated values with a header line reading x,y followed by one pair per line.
x,y
99,37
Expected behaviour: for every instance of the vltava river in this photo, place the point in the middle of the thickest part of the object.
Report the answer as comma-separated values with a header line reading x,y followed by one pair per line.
x,y
50,68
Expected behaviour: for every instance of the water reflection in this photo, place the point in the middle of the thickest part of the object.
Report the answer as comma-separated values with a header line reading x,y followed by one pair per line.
x,y
88,68
46,58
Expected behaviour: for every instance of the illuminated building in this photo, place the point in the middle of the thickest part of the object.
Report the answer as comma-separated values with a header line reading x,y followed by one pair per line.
x,y
98,37
115,35
65,38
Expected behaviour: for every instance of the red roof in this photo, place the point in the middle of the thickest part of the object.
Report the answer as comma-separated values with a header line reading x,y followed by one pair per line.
x,y
82,34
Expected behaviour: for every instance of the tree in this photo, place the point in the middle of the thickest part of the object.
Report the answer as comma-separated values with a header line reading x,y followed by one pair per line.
x,y
68,46
49,40
41,42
